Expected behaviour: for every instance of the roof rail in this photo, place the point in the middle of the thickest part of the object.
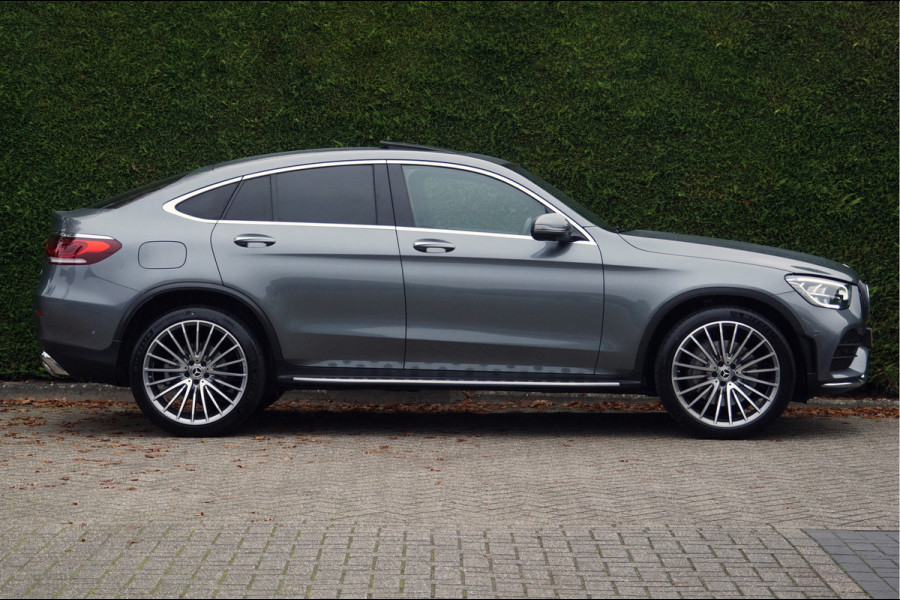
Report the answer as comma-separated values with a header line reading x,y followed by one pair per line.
x,y
405,146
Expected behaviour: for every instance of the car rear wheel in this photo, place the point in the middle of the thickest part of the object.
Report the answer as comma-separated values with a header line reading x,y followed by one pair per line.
x,y
197,372
725,373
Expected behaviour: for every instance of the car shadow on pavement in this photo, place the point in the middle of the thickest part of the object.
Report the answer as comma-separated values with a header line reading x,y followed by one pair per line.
x,y
122,419
641,424
521,423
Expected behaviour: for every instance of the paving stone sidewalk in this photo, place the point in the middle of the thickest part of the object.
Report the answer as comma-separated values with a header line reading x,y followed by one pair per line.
x,y
518,504
869,557
178,559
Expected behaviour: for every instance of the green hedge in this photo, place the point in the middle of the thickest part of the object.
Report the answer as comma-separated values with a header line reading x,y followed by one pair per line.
x,y
767,122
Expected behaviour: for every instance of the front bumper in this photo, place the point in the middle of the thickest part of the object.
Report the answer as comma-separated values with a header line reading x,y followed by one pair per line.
x,y
849,362
836,344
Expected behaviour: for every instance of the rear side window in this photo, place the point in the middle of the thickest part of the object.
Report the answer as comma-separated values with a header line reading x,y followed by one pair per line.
x,y
208,205
339,195
253,201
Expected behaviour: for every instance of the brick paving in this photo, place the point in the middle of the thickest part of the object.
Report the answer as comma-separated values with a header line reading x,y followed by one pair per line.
x,y
869,557
357,560
520,504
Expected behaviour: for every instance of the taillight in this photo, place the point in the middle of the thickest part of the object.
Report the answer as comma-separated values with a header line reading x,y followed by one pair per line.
x,y
80,250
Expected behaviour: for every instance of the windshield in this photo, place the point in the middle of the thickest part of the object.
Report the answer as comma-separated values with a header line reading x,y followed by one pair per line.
x,y
568,200
126,197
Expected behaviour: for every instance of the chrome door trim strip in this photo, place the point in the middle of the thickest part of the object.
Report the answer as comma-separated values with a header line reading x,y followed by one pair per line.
x,y
302,224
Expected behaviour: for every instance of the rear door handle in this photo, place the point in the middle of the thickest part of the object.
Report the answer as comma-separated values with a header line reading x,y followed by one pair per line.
x,y
253,240
433,246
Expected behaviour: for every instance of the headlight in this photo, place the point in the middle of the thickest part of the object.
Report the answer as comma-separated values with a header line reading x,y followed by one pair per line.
x,y
827,293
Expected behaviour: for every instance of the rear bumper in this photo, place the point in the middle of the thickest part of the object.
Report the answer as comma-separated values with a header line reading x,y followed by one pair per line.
x,y
75,318
79,363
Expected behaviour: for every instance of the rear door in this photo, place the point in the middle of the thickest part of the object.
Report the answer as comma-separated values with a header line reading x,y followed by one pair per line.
x,y
315,248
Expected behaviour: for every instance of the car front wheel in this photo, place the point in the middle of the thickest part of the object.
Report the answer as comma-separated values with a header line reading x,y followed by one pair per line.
x,y
725,373
197,372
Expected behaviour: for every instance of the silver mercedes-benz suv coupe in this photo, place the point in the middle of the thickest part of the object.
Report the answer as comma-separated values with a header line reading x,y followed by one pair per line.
x,y
211,292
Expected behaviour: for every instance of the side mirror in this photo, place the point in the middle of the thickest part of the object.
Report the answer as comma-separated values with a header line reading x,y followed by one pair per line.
x,y
552,227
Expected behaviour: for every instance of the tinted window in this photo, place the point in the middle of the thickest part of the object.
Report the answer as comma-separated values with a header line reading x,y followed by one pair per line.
x,y
344,194
443,198
208,205
253,201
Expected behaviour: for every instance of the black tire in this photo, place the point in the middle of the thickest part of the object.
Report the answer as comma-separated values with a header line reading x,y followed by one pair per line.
x,y
725,373
197,371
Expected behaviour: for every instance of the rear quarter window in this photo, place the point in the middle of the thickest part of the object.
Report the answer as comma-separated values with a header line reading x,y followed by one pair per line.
x,y
208,205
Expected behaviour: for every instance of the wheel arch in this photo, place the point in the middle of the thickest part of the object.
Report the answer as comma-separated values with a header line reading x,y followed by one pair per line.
x,y
171,297
768,306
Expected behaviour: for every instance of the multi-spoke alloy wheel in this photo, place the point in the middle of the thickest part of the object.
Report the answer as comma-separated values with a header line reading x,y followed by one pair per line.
x,y
195,372
725,373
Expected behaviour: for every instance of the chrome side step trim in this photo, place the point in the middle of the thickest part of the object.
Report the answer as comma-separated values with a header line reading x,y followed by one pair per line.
x,y
855,382
466,382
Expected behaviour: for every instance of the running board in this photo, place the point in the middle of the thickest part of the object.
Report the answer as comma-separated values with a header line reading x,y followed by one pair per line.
x,y
457,382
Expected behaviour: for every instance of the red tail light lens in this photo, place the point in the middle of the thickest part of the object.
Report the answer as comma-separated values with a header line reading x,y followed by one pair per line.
x,y
80,250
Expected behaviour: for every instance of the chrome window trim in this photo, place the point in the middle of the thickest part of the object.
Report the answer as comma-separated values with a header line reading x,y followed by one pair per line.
x,y
304,224
171,206
333,163
514,236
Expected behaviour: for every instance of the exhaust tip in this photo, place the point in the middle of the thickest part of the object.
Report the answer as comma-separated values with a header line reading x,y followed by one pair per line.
x,y
52,366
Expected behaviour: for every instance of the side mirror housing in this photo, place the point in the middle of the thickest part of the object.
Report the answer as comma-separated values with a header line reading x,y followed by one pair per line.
x,y
552,227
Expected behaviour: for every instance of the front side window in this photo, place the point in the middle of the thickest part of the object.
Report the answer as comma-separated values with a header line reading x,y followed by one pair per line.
x,y
444,198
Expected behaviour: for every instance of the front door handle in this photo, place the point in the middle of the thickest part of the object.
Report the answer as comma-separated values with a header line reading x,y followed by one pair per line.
x,y
432,246
253,240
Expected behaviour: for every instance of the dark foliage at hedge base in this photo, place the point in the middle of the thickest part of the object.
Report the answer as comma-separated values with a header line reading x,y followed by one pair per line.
x,y
774,123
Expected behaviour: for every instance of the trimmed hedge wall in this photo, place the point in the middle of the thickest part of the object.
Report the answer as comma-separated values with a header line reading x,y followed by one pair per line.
x,y
774,123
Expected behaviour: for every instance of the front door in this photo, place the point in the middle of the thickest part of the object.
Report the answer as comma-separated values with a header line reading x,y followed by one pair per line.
x,y
481,294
